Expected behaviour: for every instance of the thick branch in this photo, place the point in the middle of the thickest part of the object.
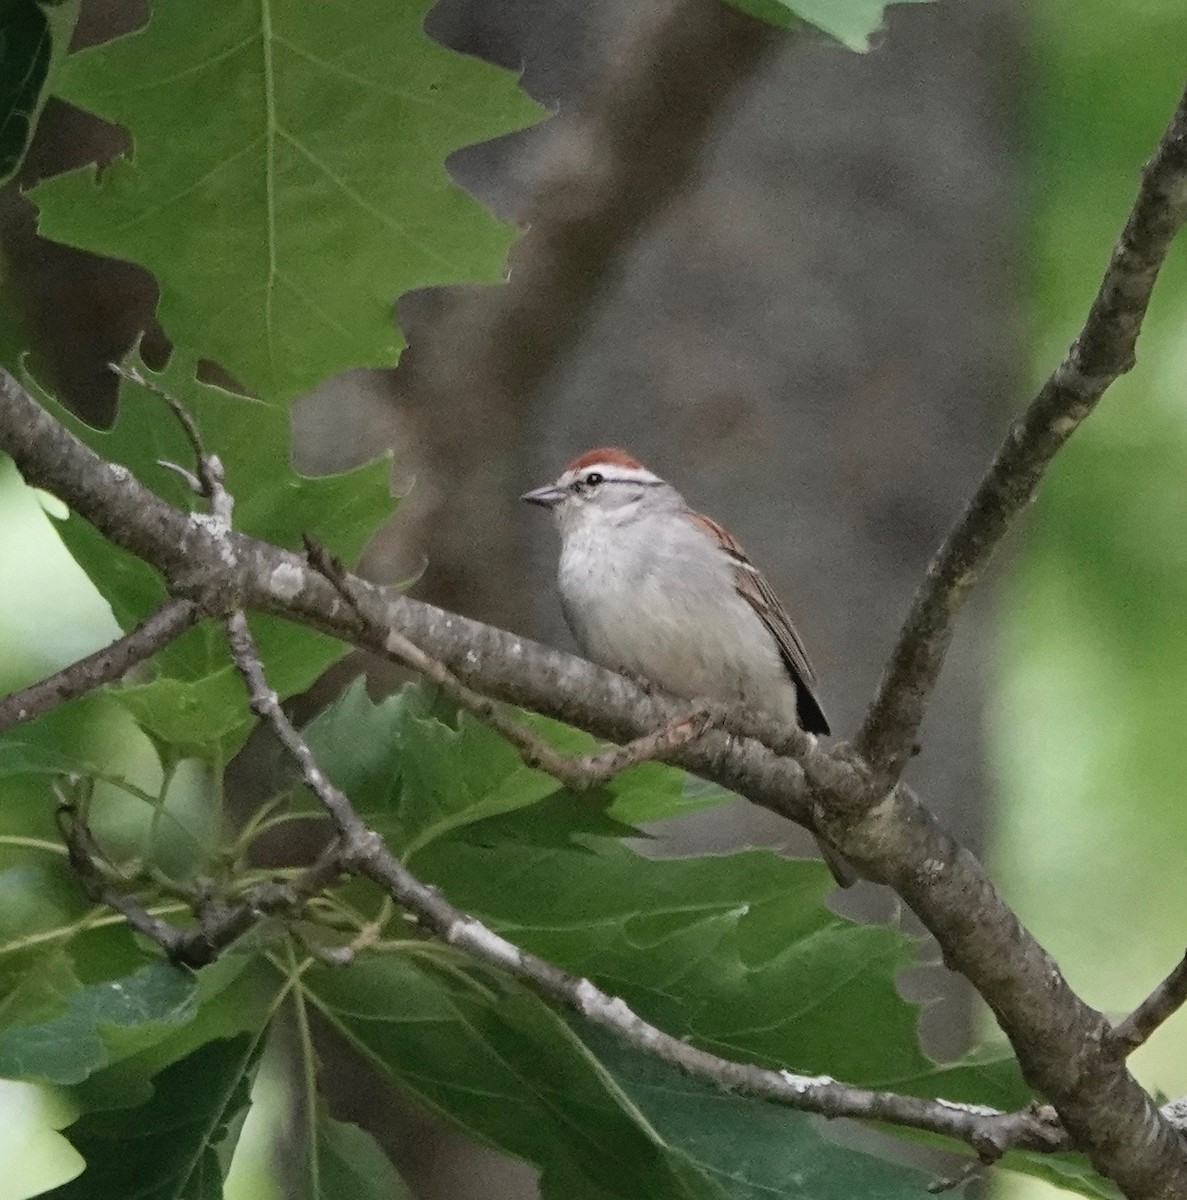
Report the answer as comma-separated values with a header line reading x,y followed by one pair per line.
x,y
104,666
577,772
1062,1043
1103,351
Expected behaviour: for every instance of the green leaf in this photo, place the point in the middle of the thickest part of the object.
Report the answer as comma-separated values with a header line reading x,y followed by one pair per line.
x,y
177,1145
500,1063
756,1151
852,22
421,778
562,819
598,1119
309,190
192,716
42,911
354,742
1069,1172
33,40
35,1155
341,1161
351,1166
234,995
34,988
69,1047
736,951
21,758
197,703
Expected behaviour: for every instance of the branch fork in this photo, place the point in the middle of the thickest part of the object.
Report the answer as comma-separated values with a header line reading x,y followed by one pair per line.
x,y
1068,1051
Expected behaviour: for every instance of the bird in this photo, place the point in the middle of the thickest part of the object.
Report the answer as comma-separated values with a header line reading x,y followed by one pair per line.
x,y
659,592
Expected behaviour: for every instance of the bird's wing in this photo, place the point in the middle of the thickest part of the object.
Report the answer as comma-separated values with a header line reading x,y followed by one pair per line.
x,y
753,587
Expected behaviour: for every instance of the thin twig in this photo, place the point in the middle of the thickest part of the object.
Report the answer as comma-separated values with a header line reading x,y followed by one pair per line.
x,y
218,923
577,772
208,481
988,1131
1162,1003
85,859
970,1170
1103,351
113,662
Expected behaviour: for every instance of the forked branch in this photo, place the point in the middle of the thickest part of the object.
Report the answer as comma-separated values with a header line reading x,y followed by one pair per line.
x,y
1158,1007
1065,1048
1102,1106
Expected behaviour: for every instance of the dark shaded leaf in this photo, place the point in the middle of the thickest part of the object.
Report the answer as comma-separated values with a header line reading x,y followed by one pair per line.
x,y
177,1145
351,1166
500,1063
755,1151
421,777
33,39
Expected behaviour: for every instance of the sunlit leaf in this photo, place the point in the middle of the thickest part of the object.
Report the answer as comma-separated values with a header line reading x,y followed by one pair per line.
x,y
852,22
35,1155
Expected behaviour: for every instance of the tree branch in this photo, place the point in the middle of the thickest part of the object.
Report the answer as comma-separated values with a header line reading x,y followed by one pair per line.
x,y
218,923
577,772
989,1132
85,860
104,666
1063,1045
1103,351
1162,1003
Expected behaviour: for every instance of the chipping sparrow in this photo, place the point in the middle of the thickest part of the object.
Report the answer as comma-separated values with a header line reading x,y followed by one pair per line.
x,y
651,588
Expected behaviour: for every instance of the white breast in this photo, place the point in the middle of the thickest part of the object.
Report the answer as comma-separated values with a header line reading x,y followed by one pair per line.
x,y
657,599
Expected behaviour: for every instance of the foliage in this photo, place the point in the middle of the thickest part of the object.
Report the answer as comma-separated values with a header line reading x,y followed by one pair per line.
x,y
278,246
854,23
288,182
33,40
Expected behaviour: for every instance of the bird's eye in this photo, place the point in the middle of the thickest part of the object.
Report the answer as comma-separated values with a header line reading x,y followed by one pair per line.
x,y
593,479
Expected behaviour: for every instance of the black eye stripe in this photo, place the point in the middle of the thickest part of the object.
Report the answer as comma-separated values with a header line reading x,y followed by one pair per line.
x,y
603,479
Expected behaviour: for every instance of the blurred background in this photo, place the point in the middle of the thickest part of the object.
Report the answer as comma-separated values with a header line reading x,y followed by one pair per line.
x,y
809,288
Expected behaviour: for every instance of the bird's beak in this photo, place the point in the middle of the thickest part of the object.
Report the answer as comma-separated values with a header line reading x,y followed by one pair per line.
x,y
548,496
